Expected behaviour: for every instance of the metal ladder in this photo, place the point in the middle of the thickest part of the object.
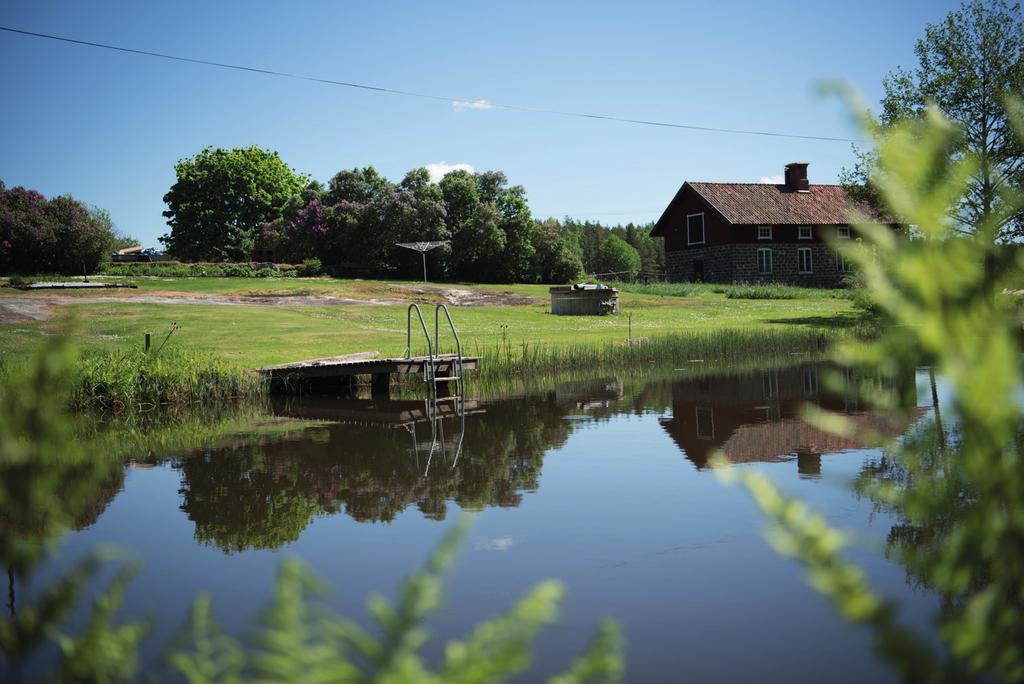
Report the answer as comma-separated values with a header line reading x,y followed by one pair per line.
x,y
455,365
438,441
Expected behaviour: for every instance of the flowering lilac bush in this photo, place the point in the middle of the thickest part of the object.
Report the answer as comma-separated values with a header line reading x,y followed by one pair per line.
x,y
60,235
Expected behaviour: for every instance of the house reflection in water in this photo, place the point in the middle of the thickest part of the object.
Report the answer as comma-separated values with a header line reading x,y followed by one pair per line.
x,y
756,418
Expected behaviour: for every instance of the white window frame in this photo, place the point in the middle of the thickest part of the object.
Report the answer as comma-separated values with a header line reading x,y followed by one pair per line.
x,y
800,262
843,232
703,229
766,234
768,261
801,230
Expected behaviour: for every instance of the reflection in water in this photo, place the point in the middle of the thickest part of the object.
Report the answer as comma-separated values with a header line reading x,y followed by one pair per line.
x,y
607,520
378,458
756,417
372,459
375,457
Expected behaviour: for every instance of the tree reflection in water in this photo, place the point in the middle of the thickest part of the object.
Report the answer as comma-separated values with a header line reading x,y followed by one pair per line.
x,y
371,465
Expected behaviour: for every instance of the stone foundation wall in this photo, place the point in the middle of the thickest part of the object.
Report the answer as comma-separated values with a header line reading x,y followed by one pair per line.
x,y
738,263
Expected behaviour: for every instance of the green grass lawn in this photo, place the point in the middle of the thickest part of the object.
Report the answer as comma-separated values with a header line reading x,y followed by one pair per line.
x,y
258,335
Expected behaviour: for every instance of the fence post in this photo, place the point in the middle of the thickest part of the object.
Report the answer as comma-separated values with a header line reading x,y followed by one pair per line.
x,y
149,341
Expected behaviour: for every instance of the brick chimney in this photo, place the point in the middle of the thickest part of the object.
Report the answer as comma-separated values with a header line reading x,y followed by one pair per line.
x,y
796,177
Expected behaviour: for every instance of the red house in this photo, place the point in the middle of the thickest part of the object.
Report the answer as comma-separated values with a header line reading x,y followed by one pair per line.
x,y
757,232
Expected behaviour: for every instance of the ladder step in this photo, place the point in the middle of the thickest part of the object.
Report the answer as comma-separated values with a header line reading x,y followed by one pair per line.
x,y
446,378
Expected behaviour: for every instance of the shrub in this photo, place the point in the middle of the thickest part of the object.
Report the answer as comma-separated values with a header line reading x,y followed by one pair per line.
x,y
176,269
311,268
60,235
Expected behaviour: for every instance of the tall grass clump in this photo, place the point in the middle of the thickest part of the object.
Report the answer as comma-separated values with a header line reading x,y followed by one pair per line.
x,y
136,380
661,289
721,347
781,291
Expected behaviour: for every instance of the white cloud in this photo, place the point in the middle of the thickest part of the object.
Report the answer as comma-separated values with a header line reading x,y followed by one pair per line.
x,y
499,544
466,105
772,180
439,170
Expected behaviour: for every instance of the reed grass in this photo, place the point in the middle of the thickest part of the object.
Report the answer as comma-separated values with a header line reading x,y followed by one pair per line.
x,y
133,380
722,347
490,386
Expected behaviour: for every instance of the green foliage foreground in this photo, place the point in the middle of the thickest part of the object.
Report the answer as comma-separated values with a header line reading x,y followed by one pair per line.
x,y
961,497
46,478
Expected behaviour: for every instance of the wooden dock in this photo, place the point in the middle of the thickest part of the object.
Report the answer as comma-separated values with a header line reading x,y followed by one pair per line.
x,y
337,369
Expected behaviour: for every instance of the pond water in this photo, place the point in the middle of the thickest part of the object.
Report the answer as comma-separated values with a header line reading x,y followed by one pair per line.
x,y
604,484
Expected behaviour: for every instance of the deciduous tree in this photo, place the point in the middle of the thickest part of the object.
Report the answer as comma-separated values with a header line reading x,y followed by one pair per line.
x,y
968,64
221,200
619,258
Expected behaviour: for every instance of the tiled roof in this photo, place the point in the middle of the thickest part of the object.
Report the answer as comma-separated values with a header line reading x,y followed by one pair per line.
x,y
763,203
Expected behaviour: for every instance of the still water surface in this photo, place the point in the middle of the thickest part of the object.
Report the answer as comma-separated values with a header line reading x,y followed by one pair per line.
x,y
603,484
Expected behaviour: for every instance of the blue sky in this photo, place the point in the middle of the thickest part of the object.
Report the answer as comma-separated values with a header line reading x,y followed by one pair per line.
x,y
109,127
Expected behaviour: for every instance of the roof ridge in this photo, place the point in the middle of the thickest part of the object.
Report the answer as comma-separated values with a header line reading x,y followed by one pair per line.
x,y
774,185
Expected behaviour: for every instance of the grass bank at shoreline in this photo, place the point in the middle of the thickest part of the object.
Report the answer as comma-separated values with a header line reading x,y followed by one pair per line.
x,y
252,328
242,325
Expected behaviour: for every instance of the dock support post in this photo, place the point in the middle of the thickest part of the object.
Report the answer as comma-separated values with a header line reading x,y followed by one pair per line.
x,y
380,385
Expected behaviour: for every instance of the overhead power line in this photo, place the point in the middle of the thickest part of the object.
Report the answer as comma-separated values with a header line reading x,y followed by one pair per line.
x,y
468,103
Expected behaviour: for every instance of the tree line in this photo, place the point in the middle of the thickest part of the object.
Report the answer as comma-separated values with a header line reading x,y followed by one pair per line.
x,y
229,205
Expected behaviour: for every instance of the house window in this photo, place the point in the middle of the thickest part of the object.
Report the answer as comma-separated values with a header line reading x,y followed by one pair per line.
x,y
764,261
705,422
695,229
804,260
842,263
843,232
804,232
764,232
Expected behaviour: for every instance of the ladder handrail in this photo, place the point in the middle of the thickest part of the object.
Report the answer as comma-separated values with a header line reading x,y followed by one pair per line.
x,y
426,334
455,333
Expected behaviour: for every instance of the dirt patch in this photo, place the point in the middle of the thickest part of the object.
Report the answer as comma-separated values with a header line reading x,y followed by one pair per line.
x,y
457,296
40,308
20,310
